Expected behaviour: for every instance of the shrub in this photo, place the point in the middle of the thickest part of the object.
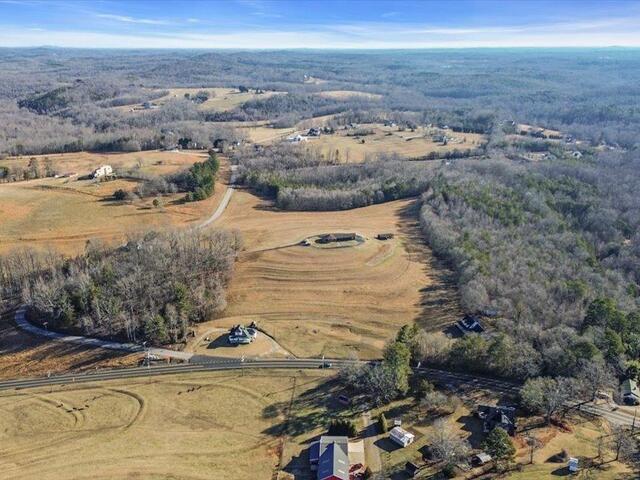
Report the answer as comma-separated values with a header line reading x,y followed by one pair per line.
x,y
383,424
342,426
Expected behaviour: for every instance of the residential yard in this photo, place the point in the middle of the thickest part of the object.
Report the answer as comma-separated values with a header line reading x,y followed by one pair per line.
x,y
200,426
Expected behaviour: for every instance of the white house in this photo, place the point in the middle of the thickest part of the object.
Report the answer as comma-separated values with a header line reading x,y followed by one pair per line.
x,y
102,171
297,139
401,436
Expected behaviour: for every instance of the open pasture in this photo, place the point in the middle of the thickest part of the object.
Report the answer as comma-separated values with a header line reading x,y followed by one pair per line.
x,y
64,213
220,98
338,301
201,426
370,140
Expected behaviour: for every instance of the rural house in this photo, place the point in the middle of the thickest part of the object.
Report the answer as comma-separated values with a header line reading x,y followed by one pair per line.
x,y
497,416
470,324
103,171
330,457
629,392
240,335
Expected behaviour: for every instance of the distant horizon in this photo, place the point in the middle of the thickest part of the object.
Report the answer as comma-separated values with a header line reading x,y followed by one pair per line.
x,y
328,25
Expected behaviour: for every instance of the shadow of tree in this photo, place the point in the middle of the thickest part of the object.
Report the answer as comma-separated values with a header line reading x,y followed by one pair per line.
x,y
439,301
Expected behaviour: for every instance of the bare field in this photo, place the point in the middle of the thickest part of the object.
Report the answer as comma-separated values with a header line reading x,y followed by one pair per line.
x,y
63,213
390,140
202,426
333,301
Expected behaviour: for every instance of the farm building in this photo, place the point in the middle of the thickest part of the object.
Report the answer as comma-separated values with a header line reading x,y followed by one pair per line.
x,y
401,436
337,237
492,417
629,392
103,171
330,457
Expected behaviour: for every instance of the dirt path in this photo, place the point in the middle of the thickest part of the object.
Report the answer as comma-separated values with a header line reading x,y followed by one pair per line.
x,y
372,453
224,202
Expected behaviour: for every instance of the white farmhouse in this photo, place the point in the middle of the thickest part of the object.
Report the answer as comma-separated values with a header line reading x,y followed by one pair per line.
x,y
103,171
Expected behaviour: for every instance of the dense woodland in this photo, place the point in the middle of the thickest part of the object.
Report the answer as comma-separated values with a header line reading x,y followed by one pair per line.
x,y
150,289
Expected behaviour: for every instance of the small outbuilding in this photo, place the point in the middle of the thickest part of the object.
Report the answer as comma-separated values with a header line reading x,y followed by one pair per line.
x,y
629,392
384,236
481,458
400,436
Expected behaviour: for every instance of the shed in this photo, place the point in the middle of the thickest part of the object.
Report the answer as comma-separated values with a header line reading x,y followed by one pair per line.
x,y
481,458
630,392
384,236
401,436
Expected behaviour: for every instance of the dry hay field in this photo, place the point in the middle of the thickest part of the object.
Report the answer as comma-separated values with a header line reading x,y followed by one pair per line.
x,y
65,212
333,301
346,94
192,427
391,140
220,98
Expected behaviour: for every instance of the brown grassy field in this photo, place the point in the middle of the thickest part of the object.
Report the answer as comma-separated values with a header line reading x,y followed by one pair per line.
x,y
390,140
220,98
63,213
333,301
202,426
344,94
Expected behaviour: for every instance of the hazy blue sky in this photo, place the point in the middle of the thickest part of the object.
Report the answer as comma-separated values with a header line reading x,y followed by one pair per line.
x,y
318,23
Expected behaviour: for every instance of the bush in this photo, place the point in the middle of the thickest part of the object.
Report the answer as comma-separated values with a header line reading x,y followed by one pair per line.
x,y
342,426
120,194
449,471
383,424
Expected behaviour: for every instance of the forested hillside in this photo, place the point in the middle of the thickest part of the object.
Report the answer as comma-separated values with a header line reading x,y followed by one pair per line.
x,y
56,100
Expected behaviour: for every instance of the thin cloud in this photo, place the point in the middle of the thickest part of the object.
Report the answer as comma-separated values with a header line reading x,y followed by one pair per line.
x,y
127,19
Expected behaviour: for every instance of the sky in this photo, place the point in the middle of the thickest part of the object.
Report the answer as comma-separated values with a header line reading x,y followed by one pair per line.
x,y
319,24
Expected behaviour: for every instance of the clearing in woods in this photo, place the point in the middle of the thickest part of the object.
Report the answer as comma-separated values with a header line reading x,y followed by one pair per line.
x,y
333,301
220,99
201,426
66,212
391,140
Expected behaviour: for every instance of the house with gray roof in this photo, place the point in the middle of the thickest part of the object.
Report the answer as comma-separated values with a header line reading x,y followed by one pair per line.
x,y
330,457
